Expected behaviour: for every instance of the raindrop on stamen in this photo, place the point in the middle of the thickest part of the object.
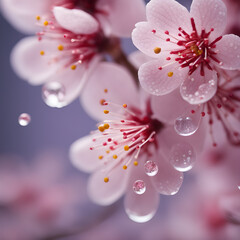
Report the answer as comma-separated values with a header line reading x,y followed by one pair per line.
x,y
139,187
185,126
53,94
151,168
182,157
24,119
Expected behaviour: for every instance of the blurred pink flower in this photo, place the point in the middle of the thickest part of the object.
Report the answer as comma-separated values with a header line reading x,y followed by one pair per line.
x,y
134,149
189,47
38,198
21,14
233,23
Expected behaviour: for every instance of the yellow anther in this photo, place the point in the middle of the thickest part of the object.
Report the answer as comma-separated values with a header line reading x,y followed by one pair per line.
x,y
108,151
115,156
106,111
73,67
124,167
45,23
157,50
170,74
200,51
100,157
106,126
60,47
124,105
42,53
106,179
38,18
102,101
126,147
135,163
101,128
105,90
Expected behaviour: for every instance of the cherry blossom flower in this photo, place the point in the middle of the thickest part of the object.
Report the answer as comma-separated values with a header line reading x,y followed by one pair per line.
x,y
222,111
189,47
21,14
133,151
71,43
33,197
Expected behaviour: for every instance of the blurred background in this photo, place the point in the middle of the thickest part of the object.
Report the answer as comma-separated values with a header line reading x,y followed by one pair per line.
x,y
38,154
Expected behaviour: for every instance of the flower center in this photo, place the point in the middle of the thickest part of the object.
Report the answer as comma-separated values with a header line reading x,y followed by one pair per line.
x,y
71,49
194,49
124,136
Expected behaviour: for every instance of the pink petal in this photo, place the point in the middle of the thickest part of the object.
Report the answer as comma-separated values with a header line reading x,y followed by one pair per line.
x,y
229,52
140,208
168,180
168,114
115,85
75,20
104,193
168,15
72,81
146,41
123,26
209,14
82,157
168,137
137,58
157,82
22,14
29,64
197,89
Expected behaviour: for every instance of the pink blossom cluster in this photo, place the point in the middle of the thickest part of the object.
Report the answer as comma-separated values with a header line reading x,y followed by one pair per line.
x,y
159,110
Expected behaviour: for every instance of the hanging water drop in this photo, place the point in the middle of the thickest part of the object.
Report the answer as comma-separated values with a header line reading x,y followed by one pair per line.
x,y
53,94
182,157
24,119
185,126
151,168
139,187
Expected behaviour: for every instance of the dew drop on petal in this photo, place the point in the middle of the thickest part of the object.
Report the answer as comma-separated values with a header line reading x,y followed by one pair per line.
x,y
239,187
185,126
151,168
24,119
53,94
139,187
182,157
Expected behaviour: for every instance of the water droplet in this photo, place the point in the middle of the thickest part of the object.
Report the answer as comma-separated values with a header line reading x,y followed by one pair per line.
x,y
182,157
53,94
185,126
239,187
24,119
139,218
151,168
139,187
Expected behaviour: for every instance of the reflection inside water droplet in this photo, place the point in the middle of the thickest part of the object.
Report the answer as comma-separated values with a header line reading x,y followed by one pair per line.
x,y
139,187
53,94
151,168
182,157
24,119
185,126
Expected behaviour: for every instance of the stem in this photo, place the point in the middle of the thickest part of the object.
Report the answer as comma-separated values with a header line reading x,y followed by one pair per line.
x,y
118,55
